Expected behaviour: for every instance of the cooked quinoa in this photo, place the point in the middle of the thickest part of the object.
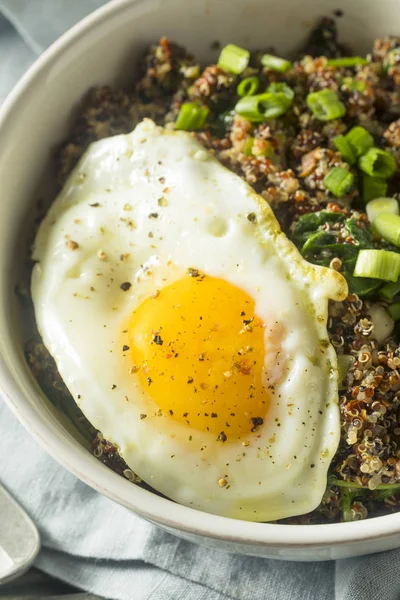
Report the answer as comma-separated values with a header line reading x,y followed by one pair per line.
x,y
287,160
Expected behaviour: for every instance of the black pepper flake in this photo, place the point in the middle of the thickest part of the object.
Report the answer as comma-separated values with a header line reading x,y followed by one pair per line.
x,y
79,396
242,314
113,386
248,321
312,466
95,205
256,422
185,414
149,381
190,380
157,340
193,272
252,217
222,437
125,286
125,348
143,416
153,216
214,415
171,412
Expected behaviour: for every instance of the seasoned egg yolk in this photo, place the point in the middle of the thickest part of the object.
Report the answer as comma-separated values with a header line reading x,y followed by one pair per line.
x,y
198,350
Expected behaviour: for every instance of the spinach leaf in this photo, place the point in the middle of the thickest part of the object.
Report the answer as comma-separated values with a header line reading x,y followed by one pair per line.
x,y
312,221
362,236
316,241
319,245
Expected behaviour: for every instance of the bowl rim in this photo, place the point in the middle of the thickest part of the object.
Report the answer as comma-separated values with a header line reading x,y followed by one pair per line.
x,y
89,470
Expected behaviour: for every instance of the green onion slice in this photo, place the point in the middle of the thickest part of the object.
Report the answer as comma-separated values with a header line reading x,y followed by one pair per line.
x,y
248,86
281,88
191,117
373,187
381,205
345,149
325,105
347,61
394,311
275,63
338,181
388,226
233,59
354,85
360,140
378,264
378,163
248,146
390,290
262,107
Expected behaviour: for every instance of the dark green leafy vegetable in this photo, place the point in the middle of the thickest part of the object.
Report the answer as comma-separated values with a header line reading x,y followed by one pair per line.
x,y
390,290
312,221
373,187
319,245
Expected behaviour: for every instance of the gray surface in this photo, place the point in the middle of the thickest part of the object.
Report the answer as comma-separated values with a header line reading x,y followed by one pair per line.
x,y
99,546
35,584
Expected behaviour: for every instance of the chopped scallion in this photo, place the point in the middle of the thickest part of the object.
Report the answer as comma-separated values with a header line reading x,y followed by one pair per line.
x,y
388,226
248,146
381,205
345,149
378,264
378,163
347,61
373,187
394,311
325,105
390,290
354,85
338,181
233,59
248,86
275,63
191,117
262,107
360,140
281,88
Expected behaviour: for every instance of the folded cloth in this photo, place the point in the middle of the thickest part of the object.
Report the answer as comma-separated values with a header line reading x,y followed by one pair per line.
x,y
101,547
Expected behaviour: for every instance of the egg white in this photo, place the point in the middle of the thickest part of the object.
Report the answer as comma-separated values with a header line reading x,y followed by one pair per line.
x,y
143,208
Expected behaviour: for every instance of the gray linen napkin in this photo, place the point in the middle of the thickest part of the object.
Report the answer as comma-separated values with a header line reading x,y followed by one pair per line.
x,y
96,544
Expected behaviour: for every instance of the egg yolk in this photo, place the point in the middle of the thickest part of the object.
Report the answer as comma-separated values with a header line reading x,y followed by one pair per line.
x,y
198,350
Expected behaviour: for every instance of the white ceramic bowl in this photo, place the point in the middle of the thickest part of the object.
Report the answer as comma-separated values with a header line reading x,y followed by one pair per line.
x,y
36,115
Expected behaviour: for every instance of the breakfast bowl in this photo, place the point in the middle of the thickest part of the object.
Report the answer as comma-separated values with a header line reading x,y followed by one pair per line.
x,y
34,119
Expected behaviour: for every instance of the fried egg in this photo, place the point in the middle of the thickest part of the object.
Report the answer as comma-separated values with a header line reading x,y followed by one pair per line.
x,y
188,328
